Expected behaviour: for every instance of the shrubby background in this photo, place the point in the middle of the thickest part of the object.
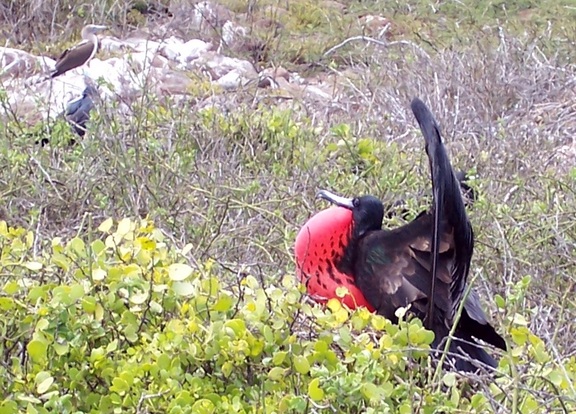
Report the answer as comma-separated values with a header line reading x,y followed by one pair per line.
x,y
149,268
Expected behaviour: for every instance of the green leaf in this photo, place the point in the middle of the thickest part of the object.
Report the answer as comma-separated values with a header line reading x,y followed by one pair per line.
x,y
227,368
223,304
556,377
112,346
530,405
184,288
44,385
98,247
314,390
179,271
238,326
33,265
478,402
6,304
124,227
11,287
76,292
119,385
519,335
37,350
42,324
378,322
301,364
61,348
77,246
203,406
500,302
276,373
449,379
106,225
89,304
279,357
130,333
7,406
370,391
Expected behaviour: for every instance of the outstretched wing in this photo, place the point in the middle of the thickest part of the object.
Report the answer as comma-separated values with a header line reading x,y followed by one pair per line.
x,y
426,262
447,206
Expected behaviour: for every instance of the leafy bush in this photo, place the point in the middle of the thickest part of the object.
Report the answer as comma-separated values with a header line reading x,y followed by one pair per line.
x,y
119,321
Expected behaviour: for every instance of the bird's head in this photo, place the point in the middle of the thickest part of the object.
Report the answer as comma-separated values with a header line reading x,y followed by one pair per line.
x,y
367,211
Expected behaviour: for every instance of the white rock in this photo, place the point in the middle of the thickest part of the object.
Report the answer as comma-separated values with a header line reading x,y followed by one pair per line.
x,y
171,48
14,62
232,32
203,12
232,80
193,49
113,44
219,65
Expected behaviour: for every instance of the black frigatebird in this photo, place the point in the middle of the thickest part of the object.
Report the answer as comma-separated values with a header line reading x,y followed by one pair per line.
x,y
424,264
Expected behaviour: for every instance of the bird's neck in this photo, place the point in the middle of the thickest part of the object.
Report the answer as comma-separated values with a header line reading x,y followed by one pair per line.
x,y
345,263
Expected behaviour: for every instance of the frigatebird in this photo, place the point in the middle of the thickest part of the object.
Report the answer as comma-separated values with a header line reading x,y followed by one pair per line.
x,y
423,264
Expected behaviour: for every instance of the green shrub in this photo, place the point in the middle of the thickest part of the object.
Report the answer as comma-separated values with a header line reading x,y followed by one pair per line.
x,y
118,321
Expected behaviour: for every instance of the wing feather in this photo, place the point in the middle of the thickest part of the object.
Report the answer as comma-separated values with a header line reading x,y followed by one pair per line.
x,y
393,267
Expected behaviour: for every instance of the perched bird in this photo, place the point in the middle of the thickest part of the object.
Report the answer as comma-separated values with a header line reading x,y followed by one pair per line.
x,y
424,263
80,54
78,111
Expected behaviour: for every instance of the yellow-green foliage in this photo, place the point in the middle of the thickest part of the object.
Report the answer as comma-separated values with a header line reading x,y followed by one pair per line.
x,y
120,320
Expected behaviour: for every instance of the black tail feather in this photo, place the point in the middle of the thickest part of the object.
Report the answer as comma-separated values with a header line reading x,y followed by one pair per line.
x,y
447,204
449,209
464,352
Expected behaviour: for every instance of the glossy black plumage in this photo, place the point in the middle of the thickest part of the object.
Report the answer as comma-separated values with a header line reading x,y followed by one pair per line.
x,y
424,263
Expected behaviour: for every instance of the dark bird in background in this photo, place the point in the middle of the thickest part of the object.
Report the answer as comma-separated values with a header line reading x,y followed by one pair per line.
x,y
78,110
80,54
77,114
424,264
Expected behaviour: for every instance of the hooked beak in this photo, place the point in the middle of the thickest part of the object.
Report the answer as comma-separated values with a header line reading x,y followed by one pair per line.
x,y
336,199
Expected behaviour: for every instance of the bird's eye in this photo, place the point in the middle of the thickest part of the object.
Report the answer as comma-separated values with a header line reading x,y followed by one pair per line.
x,y
356,202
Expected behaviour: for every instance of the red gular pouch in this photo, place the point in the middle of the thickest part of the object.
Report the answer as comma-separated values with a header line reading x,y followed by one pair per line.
x,y
319,249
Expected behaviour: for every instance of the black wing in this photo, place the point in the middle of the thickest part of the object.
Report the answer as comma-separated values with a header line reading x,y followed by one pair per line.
x,y
425,262
394,268
448,205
